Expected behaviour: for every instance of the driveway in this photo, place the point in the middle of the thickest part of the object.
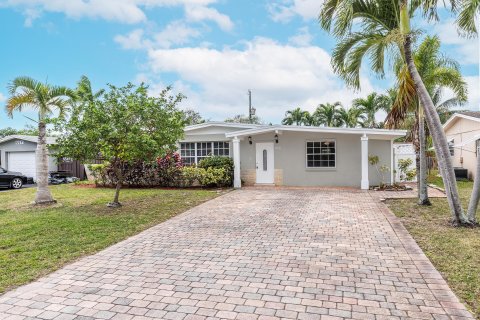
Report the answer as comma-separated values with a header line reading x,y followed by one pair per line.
x,y
252,254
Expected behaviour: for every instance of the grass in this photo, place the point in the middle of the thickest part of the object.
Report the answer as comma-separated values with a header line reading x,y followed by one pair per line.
x,y
37,241
455,252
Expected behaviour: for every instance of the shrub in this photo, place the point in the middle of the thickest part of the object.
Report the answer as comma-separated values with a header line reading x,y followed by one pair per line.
x,y
99,173
218,162
213,177
190,176
169,169
406,174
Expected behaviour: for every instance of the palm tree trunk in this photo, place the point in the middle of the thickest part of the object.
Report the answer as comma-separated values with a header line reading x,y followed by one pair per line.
x,y
475,197
422,176
438,136
43,195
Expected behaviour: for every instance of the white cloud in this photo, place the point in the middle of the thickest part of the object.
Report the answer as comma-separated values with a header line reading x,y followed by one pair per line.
x,y
302,39
466,50
2,98
280,76
175,33
287,9
473,92
123,11
197,13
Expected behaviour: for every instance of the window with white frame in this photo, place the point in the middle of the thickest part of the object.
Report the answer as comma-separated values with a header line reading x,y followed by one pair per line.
x,y
221,148
321,154
187,152
193,152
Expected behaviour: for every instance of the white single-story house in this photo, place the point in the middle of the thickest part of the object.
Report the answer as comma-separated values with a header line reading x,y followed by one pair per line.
x,y
463,134
294,155
17,153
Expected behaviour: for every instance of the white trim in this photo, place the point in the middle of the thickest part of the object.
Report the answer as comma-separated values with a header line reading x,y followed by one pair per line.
x,y
265,129
392,163
221,124
450,121
320,168
237,181
196,156
364,183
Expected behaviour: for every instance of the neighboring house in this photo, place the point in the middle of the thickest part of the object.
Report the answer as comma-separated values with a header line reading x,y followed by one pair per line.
x,y
293,155
463,134
17,153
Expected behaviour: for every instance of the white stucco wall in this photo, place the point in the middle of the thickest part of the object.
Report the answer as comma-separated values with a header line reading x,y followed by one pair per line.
x,y
463,130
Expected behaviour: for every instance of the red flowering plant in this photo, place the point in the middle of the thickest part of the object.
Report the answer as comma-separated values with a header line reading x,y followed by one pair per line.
x,y
169,169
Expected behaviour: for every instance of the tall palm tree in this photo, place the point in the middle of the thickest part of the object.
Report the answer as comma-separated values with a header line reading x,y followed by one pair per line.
x,y
296,117
382,28
26,92
438,73
469,10
352,118
85,92
466,17
371,105
327,114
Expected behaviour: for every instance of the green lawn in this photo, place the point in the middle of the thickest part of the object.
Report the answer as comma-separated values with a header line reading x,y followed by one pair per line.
x,y
455,252
37,241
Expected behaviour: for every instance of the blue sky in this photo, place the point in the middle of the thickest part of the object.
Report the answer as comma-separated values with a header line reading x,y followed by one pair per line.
x,y
213,51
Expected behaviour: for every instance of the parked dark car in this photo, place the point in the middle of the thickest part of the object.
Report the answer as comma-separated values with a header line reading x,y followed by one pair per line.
x,y
10,179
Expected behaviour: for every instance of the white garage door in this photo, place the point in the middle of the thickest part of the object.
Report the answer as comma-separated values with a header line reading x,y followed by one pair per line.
x,y
23,162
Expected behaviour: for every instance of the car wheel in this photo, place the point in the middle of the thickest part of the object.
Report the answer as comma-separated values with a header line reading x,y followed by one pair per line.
x,y
17,183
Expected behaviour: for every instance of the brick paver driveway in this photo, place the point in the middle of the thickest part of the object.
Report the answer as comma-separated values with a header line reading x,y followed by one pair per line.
x,y
252,254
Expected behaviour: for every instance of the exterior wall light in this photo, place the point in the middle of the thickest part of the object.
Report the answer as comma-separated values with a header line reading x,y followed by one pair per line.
x,y
250,140
276,138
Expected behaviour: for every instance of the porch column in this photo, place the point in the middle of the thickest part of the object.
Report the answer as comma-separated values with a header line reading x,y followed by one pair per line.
x,y
364,183
237,182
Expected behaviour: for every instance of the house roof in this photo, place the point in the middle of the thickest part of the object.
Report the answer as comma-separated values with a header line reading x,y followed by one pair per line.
x,y
253,129
222,124
469,115
34,139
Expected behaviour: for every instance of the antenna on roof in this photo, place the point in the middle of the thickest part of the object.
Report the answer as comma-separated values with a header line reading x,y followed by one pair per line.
x,y
251,110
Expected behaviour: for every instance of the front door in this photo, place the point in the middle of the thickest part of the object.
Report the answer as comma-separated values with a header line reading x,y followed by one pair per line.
x,y
265,162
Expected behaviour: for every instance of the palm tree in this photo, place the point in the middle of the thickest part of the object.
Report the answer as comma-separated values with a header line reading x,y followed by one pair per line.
x,y
371,106
438,72
352,118
85,92
466,17
296,117
382,27
26,92
327,115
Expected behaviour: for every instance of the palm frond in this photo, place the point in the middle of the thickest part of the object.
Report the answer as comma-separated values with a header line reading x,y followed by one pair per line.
x,y
25,83
19,101
468,10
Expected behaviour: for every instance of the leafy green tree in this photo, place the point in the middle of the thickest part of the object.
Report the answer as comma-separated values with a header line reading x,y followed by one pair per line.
x,y
351,118
328,115
192,117
124,127
240,118
377,29
370,106
29,130
26,92
296,117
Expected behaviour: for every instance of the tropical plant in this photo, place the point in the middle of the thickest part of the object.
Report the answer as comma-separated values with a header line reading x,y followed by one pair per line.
x,y
296,117
370,106
328,115
381,170
438,73
351,118
26,92
377,28
125,127
469,9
